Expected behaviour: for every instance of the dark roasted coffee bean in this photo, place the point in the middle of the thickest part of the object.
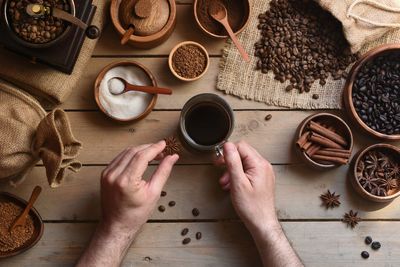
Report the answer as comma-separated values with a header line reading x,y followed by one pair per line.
x,y
268,117
376,245
315,96
186,241
198,235
163,193
172,203
161,208
365,254
185,231
368,240
195,212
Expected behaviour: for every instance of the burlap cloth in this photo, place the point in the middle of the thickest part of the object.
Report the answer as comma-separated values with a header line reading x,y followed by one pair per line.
x,y
43,81
242,80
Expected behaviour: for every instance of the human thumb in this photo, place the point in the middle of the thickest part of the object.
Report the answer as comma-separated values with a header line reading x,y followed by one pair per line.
x,y
233,162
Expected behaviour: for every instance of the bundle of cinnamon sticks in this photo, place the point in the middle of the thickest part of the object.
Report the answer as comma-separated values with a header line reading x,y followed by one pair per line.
x,y
323,144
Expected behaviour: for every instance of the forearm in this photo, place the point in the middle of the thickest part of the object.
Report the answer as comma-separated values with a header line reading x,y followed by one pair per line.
x,y
108,247
274,247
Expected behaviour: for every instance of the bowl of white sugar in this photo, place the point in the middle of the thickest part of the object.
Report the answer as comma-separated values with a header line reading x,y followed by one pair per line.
x,y
126,106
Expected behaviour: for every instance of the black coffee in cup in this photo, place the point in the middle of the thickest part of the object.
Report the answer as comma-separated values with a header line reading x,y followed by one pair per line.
x,y
207,123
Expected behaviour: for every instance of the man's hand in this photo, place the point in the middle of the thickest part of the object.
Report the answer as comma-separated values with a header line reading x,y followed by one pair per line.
x,y
127,202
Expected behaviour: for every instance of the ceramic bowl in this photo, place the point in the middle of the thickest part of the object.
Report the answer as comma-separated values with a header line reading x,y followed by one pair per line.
x,y
37,221
171,54
104,71
356,183
245,20
348,90
330,119
144,42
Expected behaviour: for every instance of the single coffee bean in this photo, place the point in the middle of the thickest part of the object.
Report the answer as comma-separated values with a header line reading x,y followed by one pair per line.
x,y
161,208
185,231
268,117
368,240
163,193
376,245
198,235
315,96
171,203
195,212
365,254
186,241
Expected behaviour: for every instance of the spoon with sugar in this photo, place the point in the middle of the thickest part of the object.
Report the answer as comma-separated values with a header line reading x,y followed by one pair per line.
x,y
218,12
119,86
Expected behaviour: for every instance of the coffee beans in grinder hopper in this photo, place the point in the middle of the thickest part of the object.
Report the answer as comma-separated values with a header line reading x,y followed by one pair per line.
x,y
301,43
36,30
376,94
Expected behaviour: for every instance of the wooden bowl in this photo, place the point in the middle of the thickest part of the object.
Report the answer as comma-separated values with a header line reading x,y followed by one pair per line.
x,y
37,222
245,21
356,183
342,128
171,54
145,42
100,77
348,90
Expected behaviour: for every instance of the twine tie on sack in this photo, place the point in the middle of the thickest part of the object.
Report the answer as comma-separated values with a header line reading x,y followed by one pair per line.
x,y
377,5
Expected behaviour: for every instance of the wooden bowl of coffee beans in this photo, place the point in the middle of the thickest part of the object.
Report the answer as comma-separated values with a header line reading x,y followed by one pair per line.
x,y
375,173
372,92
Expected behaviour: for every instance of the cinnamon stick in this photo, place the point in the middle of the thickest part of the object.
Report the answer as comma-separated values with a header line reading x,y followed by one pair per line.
x,y
306,146
338,150
303,139
312,149
323,141
337,160
323,152
331,135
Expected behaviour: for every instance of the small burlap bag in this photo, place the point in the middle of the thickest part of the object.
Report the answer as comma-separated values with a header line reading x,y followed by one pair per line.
x,y
364,20
28,135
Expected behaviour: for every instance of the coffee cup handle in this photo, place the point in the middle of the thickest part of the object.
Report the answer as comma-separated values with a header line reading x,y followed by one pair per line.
x,y
219,150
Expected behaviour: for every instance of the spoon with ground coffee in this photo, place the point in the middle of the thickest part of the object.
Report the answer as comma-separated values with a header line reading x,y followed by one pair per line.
x,y
119,86
218,12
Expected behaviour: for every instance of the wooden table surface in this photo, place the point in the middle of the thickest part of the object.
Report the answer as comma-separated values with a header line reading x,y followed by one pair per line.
x,y
317,234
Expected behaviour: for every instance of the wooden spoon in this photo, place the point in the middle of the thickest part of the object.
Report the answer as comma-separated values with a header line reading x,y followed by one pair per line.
x,y
218,12
21,220
119,86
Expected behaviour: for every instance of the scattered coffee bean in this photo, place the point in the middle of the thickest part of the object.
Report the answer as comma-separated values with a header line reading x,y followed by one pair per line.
x,y
301,43
368,240
376,94
288,88
365,254
186,241
268,117
161,208
171,203
195,212
185,231
163,193
315,96
376,245
198,235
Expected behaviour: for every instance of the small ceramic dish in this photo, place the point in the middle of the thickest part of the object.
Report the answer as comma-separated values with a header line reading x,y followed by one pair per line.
x,y
243,24
394,193
170,63
348,90
329,119
106,69
144,42
37,222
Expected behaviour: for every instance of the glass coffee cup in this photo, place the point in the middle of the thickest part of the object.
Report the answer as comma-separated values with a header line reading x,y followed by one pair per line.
x,y
206,123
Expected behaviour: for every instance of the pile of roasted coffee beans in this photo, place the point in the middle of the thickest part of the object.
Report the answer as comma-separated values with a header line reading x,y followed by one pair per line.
x,y
302,43
36,30
376,94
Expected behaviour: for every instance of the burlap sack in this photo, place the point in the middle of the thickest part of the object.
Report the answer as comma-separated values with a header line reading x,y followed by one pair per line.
x,y
44,82
364,20
28,135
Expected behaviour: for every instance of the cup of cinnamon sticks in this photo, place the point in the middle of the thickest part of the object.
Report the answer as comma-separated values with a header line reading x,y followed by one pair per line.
x,y
324,141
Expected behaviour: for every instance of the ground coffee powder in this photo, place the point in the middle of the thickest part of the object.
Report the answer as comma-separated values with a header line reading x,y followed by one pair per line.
x,y
189,61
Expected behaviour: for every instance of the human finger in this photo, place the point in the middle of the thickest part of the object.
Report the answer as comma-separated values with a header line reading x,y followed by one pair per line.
x,y
162,173
233,163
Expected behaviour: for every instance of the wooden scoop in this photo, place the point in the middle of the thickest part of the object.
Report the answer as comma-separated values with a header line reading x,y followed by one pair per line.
x,y
119,86
21,220
218,12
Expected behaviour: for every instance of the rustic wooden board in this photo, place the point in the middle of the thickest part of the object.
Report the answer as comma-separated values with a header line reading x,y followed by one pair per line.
x,y
297,195
223,244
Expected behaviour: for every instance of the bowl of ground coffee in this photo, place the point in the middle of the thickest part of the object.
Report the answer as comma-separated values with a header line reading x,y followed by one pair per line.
x,y
238,16
372,92
189,61
21,238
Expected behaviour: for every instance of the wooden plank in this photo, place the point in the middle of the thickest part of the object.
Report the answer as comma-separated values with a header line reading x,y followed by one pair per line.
x,y
297,195
186,29
83,97
103,138
223,244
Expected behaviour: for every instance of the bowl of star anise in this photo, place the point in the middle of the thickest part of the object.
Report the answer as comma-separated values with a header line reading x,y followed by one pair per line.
x,y
376,173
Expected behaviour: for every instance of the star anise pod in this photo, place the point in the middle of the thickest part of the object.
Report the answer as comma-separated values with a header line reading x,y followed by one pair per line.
x,y
368,181
383,160
351,218
360,168
371,161
379,191
172,146
330,200
394,170
389,183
